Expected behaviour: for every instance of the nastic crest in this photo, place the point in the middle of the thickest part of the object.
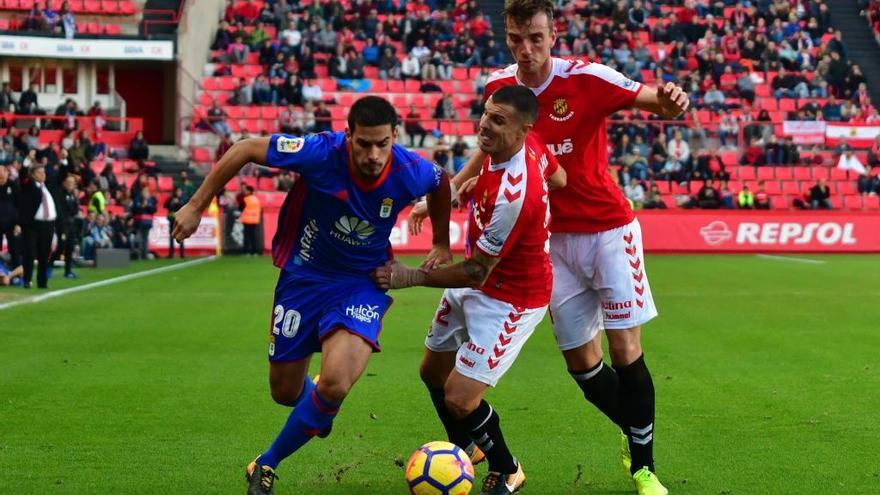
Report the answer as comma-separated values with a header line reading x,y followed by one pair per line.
x,y
385,209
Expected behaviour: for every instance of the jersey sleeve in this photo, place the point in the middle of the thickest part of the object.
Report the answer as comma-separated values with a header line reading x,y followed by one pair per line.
x,y
299,154
427,177
617,90
508,220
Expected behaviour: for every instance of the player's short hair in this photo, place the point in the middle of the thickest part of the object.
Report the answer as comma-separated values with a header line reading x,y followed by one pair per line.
x,y
521,99
522,11
371,111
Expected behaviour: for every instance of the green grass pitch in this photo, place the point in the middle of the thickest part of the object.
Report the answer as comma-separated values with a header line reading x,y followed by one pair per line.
x,y
766,370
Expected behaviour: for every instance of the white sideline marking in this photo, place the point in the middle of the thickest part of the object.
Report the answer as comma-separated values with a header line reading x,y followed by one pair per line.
x,y
102,283
788,258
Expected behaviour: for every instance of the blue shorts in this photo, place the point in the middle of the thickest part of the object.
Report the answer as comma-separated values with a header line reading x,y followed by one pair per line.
x,y
307,310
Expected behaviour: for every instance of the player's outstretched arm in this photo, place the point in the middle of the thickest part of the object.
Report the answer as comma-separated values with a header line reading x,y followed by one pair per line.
x,y
558,180
471,272
439,208
187,219
667,101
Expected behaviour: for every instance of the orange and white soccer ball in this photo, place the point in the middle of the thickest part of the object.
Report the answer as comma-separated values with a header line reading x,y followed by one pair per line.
x,y
439,468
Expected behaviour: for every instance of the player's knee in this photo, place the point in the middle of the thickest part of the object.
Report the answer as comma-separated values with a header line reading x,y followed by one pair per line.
x,y
333,389
286,393
624,350
460,405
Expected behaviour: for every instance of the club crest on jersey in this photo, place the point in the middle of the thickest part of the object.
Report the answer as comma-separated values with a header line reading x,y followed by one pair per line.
x,y
561,110
290,145
385,209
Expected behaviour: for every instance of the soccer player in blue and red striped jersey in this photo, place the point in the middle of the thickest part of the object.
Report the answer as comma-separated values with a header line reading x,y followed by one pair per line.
x,y
333,230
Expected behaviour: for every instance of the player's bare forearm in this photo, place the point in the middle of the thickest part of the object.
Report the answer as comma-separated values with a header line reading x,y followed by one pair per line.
x,y
439,210
668,101
470,169
241,153
471,272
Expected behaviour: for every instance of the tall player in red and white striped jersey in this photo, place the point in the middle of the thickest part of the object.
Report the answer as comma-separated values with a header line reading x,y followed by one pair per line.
x,y
598,267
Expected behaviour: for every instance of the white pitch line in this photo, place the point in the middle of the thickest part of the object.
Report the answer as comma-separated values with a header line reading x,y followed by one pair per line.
x,y
788,258
102,283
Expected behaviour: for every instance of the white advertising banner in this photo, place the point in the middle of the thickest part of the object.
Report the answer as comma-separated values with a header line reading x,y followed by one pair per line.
x,y
105,49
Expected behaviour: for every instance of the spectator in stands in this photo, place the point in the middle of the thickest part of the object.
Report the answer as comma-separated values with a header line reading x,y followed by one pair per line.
x,y
258,36
311,91
728,128
762,198
326,40
847,158
678,159
874,153
97,200
442,154
34,19
444,68
773,151
98,116
635,192
305,119
868,183
98,236
237,52
109,176
745,200
185,184
7,99
217,119
263,94
323,118
143,209
223,37
820,196
68,21
445,109
138,149
27,101
250,218
831,109
708,198
790,85
306,61
413,127
246,11
389,65
654,199
714,99
411,68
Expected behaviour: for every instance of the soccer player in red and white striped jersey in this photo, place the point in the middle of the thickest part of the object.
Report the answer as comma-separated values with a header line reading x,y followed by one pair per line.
x,y
596,249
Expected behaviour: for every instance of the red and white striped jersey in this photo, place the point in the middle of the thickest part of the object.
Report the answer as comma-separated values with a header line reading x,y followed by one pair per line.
x,y
509,215
573,104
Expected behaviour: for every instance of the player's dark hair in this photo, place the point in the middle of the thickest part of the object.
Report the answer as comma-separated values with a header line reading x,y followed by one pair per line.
x,y
371,111
521,99
522,11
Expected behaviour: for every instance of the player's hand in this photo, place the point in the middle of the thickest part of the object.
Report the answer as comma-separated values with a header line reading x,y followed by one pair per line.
x,y
464,192
395,275
16,230
186,221
417,217
439,256
673,100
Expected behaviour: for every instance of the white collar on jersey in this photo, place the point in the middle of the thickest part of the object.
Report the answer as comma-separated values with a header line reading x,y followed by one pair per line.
x,y
518,157
554,67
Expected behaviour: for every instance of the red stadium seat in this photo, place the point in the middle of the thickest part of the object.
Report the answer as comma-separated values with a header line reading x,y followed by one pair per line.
x,y
784,173
779,202
852,202
127,8
746,172
109,7
802,173
112,29
872,202
773,187
4,25
202,155
839,174
92,6
766,173
270,112
848,188
265,184
251,112
166,183
820,172
234,111
791,187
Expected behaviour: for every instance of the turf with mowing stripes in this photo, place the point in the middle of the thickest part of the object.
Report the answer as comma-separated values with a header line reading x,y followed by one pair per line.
x,y
766,373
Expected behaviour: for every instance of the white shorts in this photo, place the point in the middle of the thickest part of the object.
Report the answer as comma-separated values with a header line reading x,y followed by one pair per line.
x,y
599,282
487,333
